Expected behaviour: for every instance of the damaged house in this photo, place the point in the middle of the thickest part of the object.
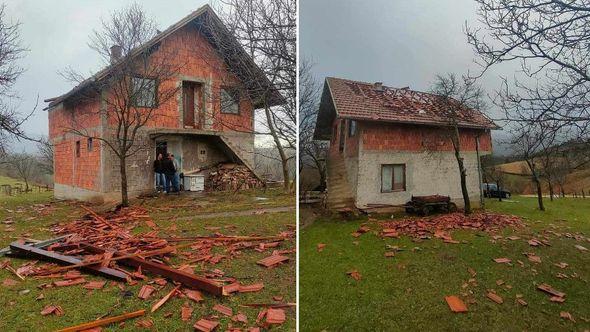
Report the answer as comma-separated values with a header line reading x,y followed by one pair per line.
x,y
389,144
208,121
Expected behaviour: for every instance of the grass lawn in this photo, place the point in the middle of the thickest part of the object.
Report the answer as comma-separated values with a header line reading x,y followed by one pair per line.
x,y
21,312
407,292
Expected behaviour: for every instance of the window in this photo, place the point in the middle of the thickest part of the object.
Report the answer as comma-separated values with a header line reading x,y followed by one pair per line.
x,y
77,148
393,178
144,92
351,128
230,101
89,144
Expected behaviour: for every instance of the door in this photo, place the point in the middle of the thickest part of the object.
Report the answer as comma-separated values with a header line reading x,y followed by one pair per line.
x,y
161,148
188,104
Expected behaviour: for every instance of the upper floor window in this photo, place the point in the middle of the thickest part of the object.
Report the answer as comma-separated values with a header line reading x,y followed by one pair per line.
x,y
144,92
230,101
77,148
393,177
90,144
351,128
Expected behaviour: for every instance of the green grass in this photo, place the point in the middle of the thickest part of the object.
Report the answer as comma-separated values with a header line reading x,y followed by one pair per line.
x,y
22,312
407,292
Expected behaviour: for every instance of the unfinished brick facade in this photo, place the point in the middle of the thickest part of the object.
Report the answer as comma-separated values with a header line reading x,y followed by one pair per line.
x,y
385,128
81,173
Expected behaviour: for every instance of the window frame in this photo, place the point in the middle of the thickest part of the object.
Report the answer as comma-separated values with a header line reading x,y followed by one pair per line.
x,y
156,87
392,190
236,97
351,132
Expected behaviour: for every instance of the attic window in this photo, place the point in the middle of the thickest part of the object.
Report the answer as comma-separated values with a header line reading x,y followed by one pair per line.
x,y
144,92
351,128
230,101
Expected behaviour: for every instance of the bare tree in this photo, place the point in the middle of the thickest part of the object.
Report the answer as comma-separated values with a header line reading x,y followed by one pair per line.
x,y
45,152
312,153
457,96
138,81
24,166
550,41
11,52
267,30
528,141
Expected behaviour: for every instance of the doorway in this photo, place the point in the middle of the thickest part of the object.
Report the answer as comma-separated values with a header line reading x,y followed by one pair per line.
x,y
191,104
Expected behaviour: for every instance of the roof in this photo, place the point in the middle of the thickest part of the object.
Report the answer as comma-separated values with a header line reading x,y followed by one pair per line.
x,y
208,20
363,101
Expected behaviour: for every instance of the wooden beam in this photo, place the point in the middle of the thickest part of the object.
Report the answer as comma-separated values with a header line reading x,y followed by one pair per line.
x,y
104,321
27,250
36,244
187,279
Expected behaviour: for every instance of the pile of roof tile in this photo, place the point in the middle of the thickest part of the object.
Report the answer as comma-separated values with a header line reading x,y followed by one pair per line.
x,y
425,227
104,241
229,176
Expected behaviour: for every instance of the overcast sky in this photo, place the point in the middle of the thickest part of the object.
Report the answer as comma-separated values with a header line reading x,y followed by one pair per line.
x,y
397,42
56,33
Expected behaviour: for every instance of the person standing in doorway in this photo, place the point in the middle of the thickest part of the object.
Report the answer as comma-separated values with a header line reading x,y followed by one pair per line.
x,y
159,173
176,181
169,173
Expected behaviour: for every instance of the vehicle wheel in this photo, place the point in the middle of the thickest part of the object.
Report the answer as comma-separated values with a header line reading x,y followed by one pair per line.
x,y
426,210
409,210
507,195
452,207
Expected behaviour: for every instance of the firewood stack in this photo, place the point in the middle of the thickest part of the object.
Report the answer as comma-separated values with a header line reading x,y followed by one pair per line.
x,y
230,176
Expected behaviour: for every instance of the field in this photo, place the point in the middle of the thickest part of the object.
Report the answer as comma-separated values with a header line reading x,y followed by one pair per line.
x,y
406,292
32,214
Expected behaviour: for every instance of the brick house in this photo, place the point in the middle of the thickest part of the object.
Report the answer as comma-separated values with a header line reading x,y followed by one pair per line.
x,y
193,125
387,144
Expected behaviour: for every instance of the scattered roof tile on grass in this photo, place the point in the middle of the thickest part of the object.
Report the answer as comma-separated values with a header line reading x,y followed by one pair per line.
x,y
206,325
275,316
550,290
272,260
145,292
495,297
95,285
456,304
223,309
186,312
69,282
193,295
251,288
52,309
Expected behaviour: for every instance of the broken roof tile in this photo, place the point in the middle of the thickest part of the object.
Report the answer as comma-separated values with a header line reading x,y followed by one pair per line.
x,y
456,304
145,292
275,316
223,309
95,285
251,288
206,325
495,297
272,260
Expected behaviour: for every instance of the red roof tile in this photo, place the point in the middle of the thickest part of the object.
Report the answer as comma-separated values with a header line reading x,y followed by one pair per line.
x,y
363,101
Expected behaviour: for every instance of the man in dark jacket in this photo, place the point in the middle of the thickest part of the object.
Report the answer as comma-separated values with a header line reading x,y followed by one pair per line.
x,y
169,172
159,173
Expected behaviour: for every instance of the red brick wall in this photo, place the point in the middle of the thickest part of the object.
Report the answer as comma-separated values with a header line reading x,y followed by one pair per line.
x,y
82,171
390,136
196,58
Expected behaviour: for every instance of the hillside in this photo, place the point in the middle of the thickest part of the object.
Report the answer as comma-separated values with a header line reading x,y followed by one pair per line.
x,y
518,181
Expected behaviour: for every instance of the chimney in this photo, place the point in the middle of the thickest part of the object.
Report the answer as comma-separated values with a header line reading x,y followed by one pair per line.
x,y
378,86
116,53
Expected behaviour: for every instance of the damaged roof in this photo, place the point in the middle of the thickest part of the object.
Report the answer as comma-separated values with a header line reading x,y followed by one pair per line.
x,y
207,22
356,100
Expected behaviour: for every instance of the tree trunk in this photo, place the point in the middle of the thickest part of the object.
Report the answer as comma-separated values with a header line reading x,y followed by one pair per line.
x,y
123,171
277,140
539,192
499,192
462,170
550,190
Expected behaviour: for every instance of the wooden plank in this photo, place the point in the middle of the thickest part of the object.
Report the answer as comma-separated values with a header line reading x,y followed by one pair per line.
x,y
38,244
104,321
187,279
27,250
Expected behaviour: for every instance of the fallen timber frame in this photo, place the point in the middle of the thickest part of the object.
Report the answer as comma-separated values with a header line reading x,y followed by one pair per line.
x,y
187,279
104,321
27,250
35,243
